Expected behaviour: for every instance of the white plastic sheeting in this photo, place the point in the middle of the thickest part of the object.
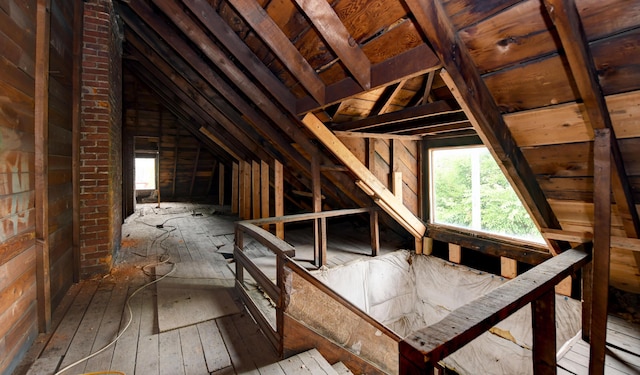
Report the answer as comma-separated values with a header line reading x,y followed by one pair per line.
x,y
407,292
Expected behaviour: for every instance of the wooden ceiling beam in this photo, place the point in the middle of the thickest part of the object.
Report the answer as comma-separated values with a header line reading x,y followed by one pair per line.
x,y
243,83
383,104
333,31
237,47
408,64
280,45
408,114
566,19
474,97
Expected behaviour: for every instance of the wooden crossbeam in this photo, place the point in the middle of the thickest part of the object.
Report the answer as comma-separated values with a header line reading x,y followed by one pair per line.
x,y
473,95
575,44
281,46
367,180
337,36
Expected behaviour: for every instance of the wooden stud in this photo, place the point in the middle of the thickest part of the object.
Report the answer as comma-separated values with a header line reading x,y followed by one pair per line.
x,y
221,185
41,119
255,189
543,319
564,287
235,188
601,248
397,185
319,227
455,253
264,190
375,232
246,190
508,267
195,170
175,162
278,196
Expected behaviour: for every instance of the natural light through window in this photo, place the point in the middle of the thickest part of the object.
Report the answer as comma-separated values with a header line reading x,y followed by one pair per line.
x,y
468,190
145,173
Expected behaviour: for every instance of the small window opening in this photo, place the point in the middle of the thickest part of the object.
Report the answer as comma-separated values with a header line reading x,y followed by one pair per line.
x,y
468,190
145,173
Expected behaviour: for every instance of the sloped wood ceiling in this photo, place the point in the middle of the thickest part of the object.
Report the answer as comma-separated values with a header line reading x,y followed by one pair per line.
x,y
534,79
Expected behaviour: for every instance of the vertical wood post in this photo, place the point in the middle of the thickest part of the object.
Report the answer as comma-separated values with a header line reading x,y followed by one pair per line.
x,y
278,196
255,189
245,206
41,117
375,232
221,184
320,225
78,12
455,253
264,191
601,247
543,321
587,300
508,267
239,247
235,188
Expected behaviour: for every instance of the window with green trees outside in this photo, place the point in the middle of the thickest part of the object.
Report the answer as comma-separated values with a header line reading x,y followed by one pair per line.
x,y
468,190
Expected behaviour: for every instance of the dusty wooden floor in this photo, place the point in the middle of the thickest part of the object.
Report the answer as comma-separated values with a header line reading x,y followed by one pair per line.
x,y
93,312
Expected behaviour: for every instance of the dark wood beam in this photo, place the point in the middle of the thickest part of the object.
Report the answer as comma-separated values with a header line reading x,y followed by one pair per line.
x,y
490,246
337,36
240,144
476,99
237,47
574,42
281,46
409,64
408,114
601,248
383,103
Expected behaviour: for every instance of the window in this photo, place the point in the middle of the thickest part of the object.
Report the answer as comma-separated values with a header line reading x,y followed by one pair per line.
x,y
145,173
468,190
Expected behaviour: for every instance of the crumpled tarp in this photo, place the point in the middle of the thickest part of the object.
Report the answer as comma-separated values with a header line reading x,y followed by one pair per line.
x,y
407,292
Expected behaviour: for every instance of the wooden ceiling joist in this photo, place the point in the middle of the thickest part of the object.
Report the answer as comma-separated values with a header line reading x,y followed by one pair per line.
x,y
568,25
408,64
337,36
409,114
253,13
464,79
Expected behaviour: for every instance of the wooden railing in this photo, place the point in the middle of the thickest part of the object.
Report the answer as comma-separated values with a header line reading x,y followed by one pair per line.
x,y
283,254
421,350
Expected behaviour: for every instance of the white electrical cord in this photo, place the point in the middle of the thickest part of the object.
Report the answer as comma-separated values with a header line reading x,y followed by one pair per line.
x,y
130,317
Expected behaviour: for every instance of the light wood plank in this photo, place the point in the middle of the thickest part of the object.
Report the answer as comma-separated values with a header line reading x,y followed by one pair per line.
x,y
171,360
278,177
147,359
455,253
192,352
387,200
212,343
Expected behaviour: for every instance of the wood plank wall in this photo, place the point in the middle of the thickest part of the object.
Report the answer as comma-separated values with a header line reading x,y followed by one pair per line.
x,y
187,170
385,155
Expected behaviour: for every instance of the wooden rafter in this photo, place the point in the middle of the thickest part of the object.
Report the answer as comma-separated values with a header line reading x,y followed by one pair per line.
x,y
386,99
409,64
245,84
567,21
236,46
474,97
337,36
281,46
408,114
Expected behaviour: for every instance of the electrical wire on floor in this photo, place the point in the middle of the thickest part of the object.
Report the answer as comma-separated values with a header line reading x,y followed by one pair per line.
x,y
128,304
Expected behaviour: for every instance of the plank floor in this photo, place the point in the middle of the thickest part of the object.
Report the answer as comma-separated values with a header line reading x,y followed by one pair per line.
x,y
93,312
623,351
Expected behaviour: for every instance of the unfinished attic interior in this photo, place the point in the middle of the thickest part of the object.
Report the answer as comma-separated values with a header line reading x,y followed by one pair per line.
x,y
311,186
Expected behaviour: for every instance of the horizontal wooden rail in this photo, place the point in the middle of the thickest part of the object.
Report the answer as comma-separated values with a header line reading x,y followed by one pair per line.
x,y
310,216
265,237
424,348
